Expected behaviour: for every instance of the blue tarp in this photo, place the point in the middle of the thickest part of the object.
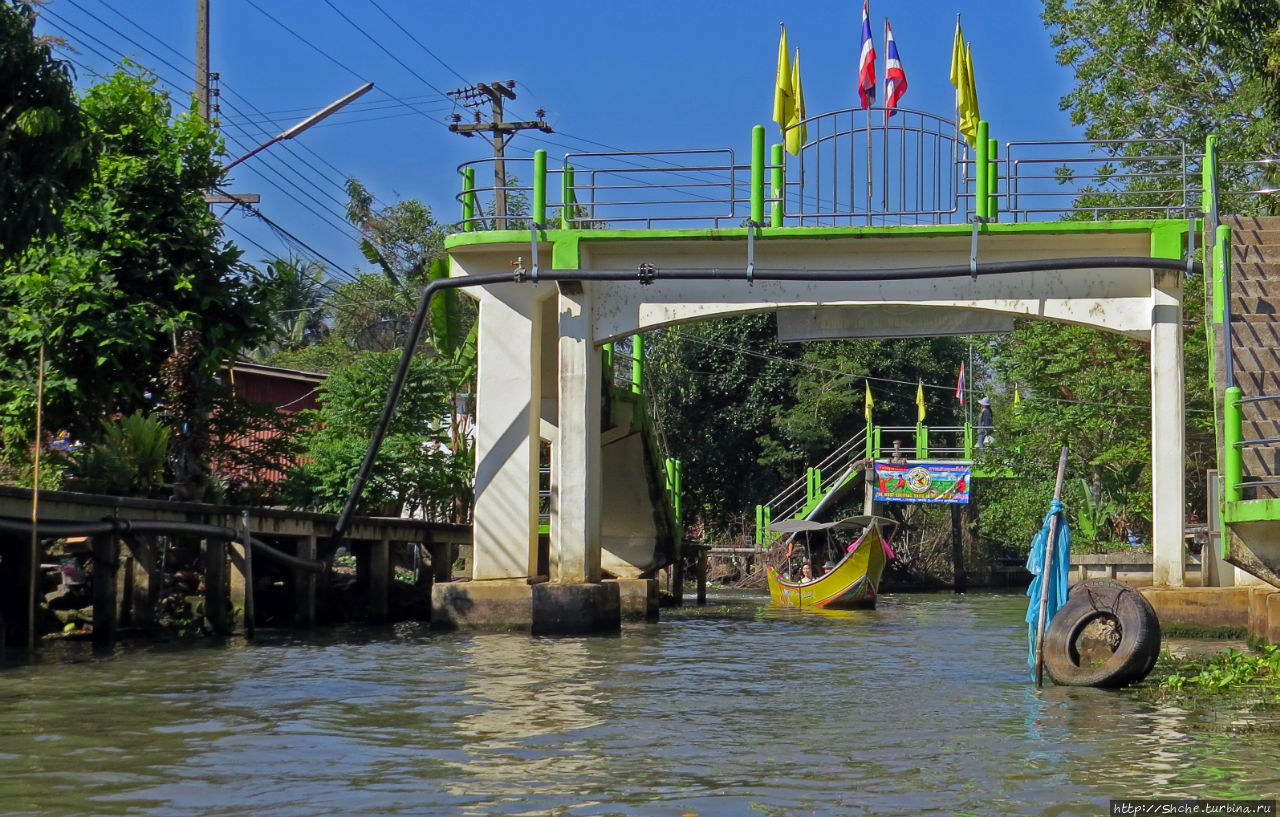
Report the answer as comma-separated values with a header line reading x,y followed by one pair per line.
x,y
1057,575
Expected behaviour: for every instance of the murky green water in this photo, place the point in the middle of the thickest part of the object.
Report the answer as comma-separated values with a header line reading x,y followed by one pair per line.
x,y
919,707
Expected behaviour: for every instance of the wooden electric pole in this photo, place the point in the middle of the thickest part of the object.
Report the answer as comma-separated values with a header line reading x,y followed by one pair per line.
x,y
202,58
497,131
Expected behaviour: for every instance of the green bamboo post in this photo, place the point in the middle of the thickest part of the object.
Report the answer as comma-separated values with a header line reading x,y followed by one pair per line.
x,y
567,198
468,199
1208,173
540,187
757,174
637,363
778,211
993,180
980,178
1232,435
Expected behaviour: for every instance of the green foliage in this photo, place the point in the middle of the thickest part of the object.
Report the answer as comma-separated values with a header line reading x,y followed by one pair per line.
x,y
130,458
1092,514
139,262
299,299
1234,671
46,152
415,466
251,445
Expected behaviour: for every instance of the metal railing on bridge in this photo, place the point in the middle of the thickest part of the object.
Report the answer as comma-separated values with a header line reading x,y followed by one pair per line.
x,y
856,168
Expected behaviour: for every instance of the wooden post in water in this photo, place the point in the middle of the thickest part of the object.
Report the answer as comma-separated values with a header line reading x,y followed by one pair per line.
x,y
215,585
248,574
1046,575
106,553
957,550
304,584
379,579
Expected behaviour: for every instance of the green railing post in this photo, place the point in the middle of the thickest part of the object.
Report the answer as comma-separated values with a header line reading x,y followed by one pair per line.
x,y
468,199
1208,173
567,197
1232,434
1221,278
778,211
540,187
922,442
870,433
875,452
981,179
993,180
759,525
968,441
757,174
637,364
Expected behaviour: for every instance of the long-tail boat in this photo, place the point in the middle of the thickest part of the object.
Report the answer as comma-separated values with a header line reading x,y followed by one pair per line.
x,y
850,583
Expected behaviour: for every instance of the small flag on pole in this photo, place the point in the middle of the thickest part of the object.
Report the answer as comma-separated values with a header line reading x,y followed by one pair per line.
x,y
870,402
960,384
797,131
966,89
783,92
1017,397
895,79
920,402
867,61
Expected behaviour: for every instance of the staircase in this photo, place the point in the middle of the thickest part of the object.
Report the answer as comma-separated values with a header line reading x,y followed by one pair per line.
x,y
1252,519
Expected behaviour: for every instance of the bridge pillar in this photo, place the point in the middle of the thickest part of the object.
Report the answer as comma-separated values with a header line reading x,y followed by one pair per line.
x,y
575,457
1168,438
508,397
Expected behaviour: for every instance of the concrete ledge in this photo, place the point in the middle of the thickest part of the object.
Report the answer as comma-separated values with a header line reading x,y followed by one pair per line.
x,y
1201,606
576,608
637,599
515,605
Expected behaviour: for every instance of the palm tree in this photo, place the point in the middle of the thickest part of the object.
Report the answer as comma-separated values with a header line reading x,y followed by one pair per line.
x,y
302,305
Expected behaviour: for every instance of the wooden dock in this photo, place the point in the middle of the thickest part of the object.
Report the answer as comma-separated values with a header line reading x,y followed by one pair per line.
x,y
127,559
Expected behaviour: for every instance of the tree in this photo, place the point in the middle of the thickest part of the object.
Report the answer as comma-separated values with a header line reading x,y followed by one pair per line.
x,y
300,299
45,146
137,277
415,466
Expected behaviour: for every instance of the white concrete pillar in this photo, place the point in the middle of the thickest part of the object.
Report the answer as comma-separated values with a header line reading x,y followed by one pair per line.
x,y
1168,443
575,458
508,389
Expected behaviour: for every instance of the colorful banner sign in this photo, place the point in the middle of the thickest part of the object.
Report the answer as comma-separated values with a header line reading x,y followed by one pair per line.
x,y
922,482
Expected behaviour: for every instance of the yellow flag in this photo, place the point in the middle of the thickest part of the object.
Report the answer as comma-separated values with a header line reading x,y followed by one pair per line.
x,y
1017,397
870,402
920,402
783,93
798,133
966,89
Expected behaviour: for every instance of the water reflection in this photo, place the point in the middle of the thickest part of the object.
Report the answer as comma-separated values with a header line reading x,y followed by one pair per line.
x,y
922,706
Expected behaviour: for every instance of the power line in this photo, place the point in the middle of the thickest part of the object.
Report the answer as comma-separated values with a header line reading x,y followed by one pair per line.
x,y
396,23
383,48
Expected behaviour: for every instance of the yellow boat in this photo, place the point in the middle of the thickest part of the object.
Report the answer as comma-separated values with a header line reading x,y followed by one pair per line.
x,y
852,583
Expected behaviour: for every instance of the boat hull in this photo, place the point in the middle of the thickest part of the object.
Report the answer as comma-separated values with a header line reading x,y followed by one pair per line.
x,y
852,584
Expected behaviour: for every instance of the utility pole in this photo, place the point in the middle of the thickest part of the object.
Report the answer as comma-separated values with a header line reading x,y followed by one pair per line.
x,y
496,131
202,58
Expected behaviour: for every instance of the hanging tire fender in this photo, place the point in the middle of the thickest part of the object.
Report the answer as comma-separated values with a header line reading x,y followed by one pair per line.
x,y
1106,635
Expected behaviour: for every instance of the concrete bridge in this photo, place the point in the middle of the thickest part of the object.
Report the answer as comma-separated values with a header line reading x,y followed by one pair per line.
x,y
581,285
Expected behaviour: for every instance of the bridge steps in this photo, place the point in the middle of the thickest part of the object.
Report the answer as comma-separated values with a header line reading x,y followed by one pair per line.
x,y
1255,339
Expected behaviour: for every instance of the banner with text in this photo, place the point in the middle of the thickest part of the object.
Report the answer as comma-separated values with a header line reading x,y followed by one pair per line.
x,y
922,482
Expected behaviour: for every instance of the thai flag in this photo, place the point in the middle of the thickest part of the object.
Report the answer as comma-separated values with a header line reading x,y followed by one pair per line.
x,y
867,62
895,79
960,384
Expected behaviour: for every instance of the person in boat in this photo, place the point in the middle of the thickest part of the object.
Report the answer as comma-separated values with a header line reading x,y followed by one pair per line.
x,y
827,567
806,572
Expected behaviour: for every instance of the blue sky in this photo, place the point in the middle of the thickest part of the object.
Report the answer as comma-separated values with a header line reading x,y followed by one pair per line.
x,y
609,74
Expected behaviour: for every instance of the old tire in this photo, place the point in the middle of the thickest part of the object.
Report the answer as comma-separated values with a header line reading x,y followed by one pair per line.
x,y
1106,635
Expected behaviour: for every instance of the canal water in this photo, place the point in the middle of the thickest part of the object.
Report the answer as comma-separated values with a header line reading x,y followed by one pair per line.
x,y
922,706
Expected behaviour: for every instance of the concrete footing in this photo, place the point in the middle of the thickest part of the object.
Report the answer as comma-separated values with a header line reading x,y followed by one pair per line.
x,y
514,605
1209,607
638,599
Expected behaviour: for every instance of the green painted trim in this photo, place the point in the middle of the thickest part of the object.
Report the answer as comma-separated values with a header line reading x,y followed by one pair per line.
x,y
566,250
468,198
1252,510
1134,226
993,180
1168,240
